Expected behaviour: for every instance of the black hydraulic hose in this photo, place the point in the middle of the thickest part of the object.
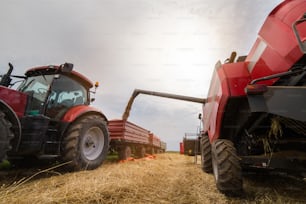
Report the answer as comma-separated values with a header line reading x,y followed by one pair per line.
x,y
273,76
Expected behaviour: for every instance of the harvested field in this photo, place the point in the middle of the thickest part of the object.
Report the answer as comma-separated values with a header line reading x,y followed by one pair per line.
x,y
170,178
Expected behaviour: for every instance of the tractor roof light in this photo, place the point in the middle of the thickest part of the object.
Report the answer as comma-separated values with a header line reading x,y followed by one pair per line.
x,y
96,84
256,89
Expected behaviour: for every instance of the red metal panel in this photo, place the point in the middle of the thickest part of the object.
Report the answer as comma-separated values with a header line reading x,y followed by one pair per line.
x,y
238,77
216,101
15,99
154,140
77,111
276,48
127,131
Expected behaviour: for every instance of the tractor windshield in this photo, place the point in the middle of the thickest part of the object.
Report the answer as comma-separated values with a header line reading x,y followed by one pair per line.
x,y
37,88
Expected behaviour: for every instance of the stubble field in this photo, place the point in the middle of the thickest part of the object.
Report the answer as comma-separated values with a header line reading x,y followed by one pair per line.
x,y
169,178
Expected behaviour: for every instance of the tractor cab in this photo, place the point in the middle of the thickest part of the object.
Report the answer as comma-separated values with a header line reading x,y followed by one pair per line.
x,y
52,90
43,98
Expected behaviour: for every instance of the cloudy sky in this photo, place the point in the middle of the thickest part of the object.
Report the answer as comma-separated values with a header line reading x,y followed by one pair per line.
x,y
160,45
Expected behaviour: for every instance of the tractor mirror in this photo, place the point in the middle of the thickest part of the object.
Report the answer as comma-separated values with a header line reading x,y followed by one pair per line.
x,y
67,67
200,116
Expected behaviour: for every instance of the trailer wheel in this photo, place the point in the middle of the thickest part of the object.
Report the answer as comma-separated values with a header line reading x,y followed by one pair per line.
x,y
206,158
226,167
85,144
157,151
125,152
141,152
6,134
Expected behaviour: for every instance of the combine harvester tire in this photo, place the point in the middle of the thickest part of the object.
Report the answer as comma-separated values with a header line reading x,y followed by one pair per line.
x,y
226,167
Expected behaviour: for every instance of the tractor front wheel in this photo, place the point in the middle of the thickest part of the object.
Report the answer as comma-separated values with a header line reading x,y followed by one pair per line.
x,y
226,167
6,135
85,144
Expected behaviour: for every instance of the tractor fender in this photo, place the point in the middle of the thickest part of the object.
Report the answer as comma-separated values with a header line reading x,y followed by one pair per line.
x,y
78,111
13,118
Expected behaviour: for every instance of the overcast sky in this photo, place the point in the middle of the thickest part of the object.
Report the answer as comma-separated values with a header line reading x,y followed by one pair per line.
x,y
160,45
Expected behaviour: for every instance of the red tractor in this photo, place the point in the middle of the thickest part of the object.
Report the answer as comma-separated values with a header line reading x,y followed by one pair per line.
x,y
49,115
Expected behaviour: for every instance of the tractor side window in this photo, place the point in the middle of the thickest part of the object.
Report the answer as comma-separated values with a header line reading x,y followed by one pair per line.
x,y
72,98
65,93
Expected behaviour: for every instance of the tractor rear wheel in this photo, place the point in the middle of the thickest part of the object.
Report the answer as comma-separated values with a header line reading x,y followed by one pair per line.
x,y
206,158
85,144
226,167
6,134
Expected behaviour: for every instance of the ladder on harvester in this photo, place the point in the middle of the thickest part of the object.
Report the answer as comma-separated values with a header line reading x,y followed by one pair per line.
x,y
197,149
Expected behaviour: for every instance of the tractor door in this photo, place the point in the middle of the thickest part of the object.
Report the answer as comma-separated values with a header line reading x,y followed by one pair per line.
x,y
34,123
65,93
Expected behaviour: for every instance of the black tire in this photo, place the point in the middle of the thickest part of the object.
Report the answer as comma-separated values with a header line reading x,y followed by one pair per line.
x,y
125,152
6,135
85,144
206,157
226,167
141,152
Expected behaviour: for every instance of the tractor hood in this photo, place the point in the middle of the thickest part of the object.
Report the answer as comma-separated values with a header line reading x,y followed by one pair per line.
x,y
14,99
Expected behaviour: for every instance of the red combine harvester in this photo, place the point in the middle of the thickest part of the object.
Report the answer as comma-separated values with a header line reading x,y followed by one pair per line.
x,y
255,112
49,115
254,116
128,138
